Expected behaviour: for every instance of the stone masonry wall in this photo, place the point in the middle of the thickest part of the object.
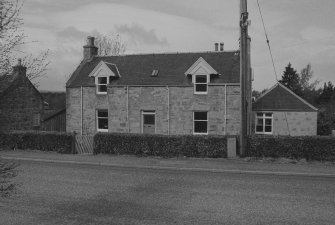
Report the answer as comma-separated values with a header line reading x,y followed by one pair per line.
x,y
173,118
18,106
292,123
299,123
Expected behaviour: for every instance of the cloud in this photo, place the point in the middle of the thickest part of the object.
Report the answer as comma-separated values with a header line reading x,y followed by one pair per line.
x,y
72,32
140,35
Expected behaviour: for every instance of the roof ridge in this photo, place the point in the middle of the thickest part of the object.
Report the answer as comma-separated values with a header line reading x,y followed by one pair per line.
x,y
166,53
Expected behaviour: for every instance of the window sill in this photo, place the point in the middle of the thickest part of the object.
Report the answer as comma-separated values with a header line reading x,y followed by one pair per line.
x,y
102,130
264,133
201,93
200,133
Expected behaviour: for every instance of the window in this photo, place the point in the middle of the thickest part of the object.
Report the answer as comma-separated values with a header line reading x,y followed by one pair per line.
x,y
148,122
264,123
101,83
200,123
37,120
200,84
102,120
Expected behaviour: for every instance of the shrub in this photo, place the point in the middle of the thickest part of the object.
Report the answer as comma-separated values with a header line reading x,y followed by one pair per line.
x,y
308,147
44,141
160,145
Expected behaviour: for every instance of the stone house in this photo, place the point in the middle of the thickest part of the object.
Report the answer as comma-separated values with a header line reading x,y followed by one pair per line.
x,y
21,104
166,93
279,111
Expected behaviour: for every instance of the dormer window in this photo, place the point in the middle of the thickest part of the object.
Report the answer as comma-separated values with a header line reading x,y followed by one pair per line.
x,y
103,73
201,72
102,84
201,84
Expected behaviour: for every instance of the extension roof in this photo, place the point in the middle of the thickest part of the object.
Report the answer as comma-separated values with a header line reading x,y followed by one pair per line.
x,y
137,69
280,98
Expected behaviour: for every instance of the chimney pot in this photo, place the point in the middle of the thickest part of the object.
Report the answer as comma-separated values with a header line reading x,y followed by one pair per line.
x,y
221,47
216,47
90,41
89,49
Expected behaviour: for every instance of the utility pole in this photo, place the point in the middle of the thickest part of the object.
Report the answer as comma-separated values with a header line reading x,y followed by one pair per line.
x,y
244,71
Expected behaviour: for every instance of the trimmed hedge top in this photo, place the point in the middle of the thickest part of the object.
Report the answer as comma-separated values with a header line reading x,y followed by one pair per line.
x,y
308,147
161,145
44,141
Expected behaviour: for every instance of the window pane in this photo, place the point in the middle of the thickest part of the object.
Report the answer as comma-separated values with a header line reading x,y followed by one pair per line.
x,y
259,122
103,114
268,122
200,127
259,128
268,114
200,115
259,114
103,123
201,79
102,80
268,129
149,119
102,88
201,87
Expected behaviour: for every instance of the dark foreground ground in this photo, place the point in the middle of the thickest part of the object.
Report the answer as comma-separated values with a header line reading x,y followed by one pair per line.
x,y
53,193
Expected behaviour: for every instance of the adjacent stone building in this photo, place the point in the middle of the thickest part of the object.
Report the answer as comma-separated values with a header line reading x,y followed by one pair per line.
x,y
21,104
279,111
167,93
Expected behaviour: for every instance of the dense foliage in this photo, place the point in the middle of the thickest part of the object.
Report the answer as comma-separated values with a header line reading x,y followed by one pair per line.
x,y
44,141
161,145
310,148
8,170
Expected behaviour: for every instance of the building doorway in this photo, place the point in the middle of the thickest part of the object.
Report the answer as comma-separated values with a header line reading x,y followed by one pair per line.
x,y
148,122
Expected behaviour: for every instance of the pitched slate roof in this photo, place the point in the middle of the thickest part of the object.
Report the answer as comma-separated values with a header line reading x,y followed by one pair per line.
x,y
137,69
6,81
280,98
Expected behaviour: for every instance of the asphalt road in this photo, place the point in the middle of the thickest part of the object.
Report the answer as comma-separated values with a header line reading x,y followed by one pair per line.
x,y
52,193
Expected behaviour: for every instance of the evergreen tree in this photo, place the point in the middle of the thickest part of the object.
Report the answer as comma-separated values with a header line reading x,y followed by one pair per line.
x,y
291,79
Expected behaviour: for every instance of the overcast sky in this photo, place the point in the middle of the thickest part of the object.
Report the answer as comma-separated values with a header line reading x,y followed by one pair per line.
x,y
300,32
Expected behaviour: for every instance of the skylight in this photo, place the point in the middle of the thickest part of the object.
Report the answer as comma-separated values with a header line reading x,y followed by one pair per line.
x,y
154,73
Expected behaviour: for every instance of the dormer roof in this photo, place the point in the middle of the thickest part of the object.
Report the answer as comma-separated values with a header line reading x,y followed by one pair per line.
x,y
201,67
105,69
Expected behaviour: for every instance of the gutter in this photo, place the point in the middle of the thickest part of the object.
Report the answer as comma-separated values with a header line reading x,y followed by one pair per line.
x,y
168,106
81,110
128,109
225,110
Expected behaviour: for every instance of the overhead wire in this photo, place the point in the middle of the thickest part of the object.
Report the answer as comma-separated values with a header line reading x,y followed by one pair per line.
x,y
273,63
267,40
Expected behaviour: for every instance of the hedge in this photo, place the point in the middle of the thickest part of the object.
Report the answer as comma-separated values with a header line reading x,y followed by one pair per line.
x,y
308,147
44,141
160,145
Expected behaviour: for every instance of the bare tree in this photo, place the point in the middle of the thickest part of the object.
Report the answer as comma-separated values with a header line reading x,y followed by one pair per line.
x,y
12,38
109,45
11,34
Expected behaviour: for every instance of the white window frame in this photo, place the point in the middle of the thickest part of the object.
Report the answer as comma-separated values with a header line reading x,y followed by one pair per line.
x,y
195,133
98,85
37,120
97,119
264,117
147,112
195,84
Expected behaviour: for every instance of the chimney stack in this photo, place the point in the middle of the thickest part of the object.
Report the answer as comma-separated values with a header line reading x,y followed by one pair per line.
x,y
216,47
19,68
221,47
89,49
